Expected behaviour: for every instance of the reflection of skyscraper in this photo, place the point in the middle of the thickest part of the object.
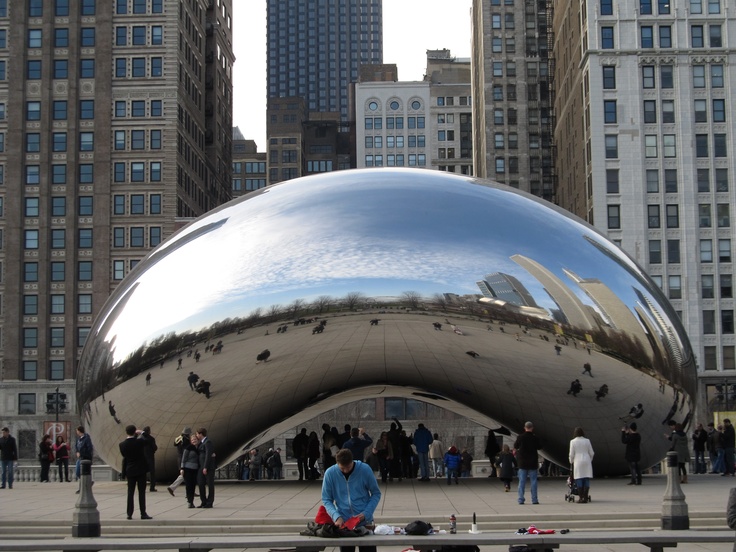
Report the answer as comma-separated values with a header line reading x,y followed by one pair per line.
x,y
508,288
617,314
669,338
572,307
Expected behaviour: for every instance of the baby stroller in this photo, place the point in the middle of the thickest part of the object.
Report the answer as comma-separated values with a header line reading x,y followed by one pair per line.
x,y
573,490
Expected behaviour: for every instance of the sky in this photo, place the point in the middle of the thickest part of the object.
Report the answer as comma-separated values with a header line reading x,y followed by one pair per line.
x,y
410,28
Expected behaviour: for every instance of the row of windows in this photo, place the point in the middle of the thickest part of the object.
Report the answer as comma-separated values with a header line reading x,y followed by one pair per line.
x,y
136,236
666,74
249,184
86,142
61,8
663,7
123,7
412,141
324,165
450,100
60,69
504,165
697,36
138,139
57,305
58,206
139,35
135,204
85,175
27,401
705,249
251,167
669,180
376,123
87,37
394,105
709,322
139,67
135,171
414,160
138,108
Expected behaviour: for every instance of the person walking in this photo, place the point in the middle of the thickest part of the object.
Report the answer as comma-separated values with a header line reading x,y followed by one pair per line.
x,y
61,451
453,462
632,439
208,466
8,457
350,493
505,462
436,455
85,451
680,446
135,468
581,463
46,457
181,443
300,448
527,448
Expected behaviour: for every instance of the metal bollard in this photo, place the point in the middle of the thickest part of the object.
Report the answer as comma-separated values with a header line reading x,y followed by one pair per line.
x,y
674,508
86,519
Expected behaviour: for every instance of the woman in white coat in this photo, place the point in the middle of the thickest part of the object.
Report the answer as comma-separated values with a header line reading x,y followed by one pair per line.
x,y
581,460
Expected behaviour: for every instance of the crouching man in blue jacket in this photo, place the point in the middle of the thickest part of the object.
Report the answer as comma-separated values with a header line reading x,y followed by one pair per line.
x,y
350,491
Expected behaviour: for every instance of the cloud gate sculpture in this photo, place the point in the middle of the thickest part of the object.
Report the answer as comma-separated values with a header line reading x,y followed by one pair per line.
x,y
405,283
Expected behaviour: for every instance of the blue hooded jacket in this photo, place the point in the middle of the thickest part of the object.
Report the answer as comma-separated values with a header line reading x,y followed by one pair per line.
x,y
358,494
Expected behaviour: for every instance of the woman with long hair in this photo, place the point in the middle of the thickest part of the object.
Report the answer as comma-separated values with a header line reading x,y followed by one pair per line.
x,y
61,450
46,456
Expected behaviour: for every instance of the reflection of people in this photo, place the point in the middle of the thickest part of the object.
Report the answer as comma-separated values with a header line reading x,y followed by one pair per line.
x,y
527,447
263,356
632,440
350,493
601,392
587,369
575,388
581,462
636,412
135,468
111,408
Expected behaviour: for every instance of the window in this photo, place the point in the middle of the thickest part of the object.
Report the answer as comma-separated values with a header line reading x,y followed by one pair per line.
x,y
665,36
698,76
500,165
57,337
138,68
714,32
27,401
33,142
726,286
84,271
498,69
61,38
157,66
58,206
703,180
663,7
614,216
154,207
706,251
157,35
709,322
88,7
607,38
668,111
33,175
673,251
650,111
701,145
724,251
87,37
121,7
57,304
58,271
61,69
33,111
727,321
138,108
137,204
652,176
655,252
30,239
696,36
139,6
84,303
722,215
137,172
136,236
30,338
647,73
653,216
87,68
669,145
82,334
118,237
86,174
121,67
119,172
650,145
30,207
154,236
121,36
35,8
606,7
138,139
704,216
33,70
670,181
157,111
667,76
85,206
646,36
609,77
716,76
30,305
719,111
86,109
714,6
86,141
58,238
673,216
139,35
609,111
645,7
675,287
496,21
707,286
721,180
611,146
35,38
61,8
719,145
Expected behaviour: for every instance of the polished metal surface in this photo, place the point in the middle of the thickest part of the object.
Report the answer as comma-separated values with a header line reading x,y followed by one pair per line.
x,y
442,288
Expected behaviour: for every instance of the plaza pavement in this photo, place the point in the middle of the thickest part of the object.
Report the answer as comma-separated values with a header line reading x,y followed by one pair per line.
x,y
45,509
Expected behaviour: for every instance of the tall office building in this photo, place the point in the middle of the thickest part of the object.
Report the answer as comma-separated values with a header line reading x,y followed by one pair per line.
x,y
116,126
315,49
644,133
512,94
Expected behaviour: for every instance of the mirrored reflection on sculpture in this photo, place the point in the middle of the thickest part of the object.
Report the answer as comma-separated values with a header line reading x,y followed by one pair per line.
x,y
367,283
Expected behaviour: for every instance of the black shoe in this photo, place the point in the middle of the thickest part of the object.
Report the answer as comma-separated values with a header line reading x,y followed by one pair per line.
x,y
130,517
154,490
171,491
201,506
535,502
208,505
191,505
75,492
145,516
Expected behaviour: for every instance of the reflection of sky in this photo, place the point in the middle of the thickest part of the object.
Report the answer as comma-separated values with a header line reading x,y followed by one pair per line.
x,y
377,232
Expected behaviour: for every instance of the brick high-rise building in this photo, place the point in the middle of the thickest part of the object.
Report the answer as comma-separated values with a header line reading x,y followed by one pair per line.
x,y
116,122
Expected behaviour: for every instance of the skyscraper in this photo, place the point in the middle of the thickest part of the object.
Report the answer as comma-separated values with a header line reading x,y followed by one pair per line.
x,y
116,125
643,132
315,49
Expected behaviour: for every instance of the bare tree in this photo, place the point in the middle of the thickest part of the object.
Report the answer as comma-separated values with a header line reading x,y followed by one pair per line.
x,y
352,299
413,298
274,311
295,307
255,315
322,303
440,300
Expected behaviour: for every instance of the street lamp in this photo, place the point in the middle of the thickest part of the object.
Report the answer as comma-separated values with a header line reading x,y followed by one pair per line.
x,y
56,403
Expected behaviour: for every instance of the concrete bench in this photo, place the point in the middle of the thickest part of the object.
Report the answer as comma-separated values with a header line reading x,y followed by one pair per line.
x,y
656,541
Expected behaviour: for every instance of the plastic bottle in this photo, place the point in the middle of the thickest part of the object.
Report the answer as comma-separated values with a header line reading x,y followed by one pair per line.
x,y
453,524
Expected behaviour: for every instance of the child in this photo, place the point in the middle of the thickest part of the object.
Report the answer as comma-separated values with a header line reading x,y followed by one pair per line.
x,y
466,465
452,463
505,463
